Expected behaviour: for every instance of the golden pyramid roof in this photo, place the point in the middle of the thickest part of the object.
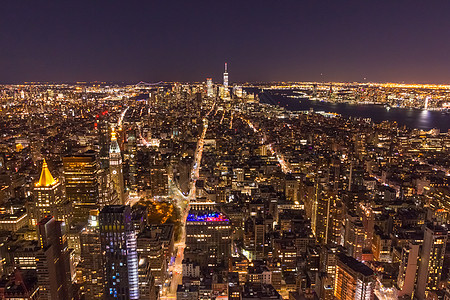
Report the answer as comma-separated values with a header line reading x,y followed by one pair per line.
x,y
46,178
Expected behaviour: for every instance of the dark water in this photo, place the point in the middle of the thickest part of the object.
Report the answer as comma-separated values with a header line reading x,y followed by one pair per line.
x,y
412,118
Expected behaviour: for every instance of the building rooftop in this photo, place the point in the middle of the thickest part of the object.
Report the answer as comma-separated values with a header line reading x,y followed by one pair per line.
x,y
204,216
45,220
187,289
161,232
355,265
14,217
260,291
21,284
46,178
113,209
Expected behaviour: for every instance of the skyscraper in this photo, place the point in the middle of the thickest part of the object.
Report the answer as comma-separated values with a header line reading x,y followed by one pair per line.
x,y
53,261
208,231
132,153
432,259
47,195
209,87
103,139
120,258
328,265
354,236
408,268
354,280
80,173
91,258
115,167
325,215
368,220
225,77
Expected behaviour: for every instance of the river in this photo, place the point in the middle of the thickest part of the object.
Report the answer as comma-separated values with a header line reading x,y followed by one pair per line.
x,y
409,117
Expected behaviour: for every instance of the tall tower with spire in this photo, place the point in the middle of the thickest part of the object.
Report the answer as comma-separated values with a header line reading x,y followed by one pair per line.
x,y
48,197
225,76
115,167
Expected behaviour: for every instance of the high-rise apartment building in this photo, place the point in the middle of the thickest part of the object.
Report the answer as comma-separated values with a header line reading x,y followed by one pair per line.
x,y
367,215
328,261
53,261
120,257
325,202
326,211
354,238
354,280
408,269
432,259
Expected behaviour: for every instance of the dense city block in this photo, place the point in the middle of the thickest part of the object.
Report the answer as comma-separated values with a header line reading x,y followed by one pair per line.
x,y
205,191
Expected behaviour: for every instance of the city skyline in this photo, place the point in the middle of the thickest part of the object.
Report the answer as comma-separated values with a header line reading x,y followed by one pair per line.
x,y
261,41
238,150
216,191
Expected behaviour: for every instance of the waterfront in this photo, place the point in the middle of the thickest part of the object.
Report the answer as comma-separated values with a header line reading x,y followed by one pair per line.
x,y
412,118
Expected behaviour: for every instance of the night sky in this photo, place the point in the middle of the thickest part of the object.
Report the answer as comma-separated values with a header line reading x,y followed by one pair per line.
x,y
66,41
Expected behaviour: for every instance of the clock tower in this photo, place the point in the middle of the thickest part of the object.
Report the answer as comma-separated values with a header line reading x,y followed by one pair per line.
x,y
115,167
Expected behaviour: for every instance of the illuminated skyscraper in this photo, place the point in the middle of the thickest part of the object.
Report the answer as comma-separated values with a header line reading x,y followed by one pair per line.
x,y
91,258
354,280
432,259
325,230
47,195
80,173
209,87
118,248
225,77
132,153
354,237
103,139
53,261
368,220
328,263
208,231
408,269
115,167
